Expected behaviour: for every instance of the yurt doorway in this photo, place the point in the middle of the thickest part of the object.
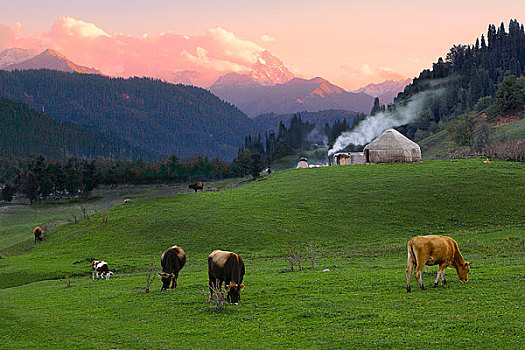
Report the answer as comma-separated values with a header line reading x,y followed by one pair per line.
x,y
367,156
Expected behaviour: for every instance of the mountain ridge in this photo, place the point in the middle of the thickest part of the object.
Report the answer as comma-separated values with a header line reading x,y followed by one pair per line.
x,y
295,95
51,59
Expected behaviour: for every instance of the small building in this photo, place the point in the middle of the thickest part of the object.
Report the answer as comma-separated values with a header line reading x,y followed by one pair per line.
x,y
345,158
392,147
302,163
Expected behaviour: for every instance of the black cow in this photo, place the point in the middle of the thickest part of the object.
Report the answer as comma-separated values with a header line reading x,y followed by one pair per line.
x,y
226,267
172,261
197,186
38,233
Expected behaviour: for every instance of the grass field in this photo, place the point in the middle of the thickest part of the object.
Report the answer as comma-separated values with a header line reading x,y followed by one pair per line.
x,y
359,216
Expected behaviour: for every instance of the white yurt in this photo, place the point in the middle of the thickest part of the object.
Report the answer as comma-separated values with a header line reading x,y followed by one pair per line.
x,y
392,147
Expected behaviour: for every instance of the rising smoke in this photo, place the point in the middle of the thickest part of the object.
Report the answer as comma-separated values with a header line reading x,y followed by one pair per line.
x,y
374,125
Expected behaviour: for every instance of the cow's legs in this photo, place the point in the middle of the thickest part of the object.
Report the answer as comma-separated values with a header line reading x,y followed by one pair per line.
x,y
410,267
441,273
443,276
174,282
93,275
419,271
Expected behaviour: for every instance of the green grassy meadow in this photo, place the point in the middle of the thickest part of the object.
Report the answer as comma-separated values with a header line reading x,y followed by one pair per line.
x,y
360,217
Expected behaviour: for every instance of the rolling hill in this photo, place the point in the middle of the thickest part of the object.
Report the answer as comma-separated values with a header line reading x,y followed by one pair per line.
x,y
155,116
360,217
24,131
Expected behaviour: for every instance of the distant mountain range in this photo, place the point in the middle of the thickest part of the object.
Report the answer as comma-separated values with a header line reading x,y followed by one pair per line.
x,y
386,91
269,87
292,96
49,59
149,114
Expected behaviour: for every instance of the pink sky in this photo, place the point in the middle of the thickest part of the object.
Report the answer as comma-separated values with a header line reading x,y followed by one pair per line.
x,y
347,42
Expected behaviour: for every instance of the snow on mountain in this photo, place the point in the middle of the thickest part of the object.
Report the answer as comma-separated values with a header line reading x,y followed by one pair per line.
x,y
51,59
15,55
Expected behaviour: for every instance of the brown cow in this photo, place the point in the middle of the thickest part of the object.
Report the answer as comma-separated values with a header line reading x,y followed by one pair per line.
x,y
435,250
99,266
226,267
37,232
197,186
172,261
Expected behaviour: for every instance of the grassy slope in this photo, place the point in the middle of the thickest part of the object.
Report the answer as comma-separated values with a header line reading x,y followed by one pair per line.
x,y
361,217
437,146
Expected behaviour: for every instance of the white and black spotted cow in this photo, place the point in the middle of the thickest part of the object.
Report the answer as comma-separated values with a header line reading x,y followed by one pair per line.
x,y
101,267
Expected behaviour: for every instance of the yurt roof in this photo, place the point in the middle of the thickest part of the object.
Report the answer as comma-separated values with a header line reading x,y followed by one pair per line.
x,y
391,139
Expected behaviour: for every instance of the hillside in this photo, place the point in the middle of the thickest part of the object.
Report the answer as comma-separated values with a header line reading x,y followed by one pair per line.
x,y
156,116
24,131
359,216
295,95
468,78
440,145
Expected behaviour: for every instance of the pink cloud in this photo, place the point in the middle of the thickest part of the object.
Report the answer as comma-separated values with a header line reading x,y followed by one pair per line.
x,y
164,55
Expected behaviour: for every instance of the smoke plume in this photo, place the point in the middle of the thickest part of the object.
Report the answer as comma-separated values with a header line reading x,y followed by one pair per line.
x,y
374,125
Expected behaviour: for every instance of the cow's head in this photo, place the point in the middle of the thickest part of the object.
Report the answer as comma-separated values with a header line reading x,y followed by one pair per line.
x,y
166,279
463,270
234,292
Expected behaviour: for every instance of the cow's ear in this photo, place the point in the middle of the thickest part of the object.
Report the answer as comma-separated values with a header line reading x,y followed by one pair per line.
x,y
242,286
467,264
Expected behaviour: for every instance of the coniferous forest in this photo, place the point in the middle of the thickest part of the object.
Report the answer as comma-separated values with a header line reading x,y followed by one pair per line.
x,y
150,114
470,76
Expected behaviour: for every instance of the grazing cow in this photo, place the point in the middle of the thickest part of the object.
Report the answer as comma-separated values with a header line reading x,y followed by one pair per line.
x,y
229,268
99,266
435,250
37,232
197,186
172,261
127,200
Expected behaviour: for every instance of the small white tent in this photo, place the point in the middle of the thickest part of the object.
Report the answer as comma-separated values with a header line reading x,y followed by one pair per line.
x,y
302,163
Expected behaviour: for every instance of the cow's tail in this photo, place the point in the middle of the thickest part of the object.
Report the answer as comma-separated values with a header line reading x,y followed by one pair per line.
x,y
411,254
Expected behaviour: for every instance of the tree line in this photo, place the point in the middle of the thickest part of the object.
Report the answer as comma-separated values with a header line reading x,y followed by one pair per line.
x,y
39,178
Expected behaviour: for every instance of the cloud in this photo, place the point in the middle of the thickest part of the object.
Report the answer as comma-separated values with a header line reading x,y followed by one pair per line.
x,y
267,38
387,74
234,46
160,55
202,59
365,69
77,28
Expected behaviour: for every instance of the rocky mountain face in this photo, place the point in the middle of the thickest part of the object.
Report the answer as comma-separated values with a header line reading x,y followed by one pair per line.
x,y
386,91
292,96
50,59
15,55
